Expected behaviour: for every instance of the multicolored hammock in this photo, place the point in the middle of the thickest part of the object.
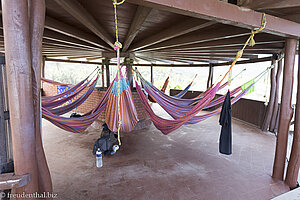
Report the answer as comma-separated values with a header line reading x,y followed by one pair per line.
x,y
183,92
78,125
129,117
54,82
189,115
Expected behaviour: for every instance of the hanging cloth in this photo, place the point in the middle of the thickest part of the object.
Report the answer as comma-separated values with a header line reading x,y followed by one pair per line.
x,y
225,143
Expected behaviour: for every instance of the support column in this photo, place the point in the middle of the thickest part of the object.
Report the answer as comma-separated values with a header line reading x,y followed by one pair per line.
x,y
152,75
276,101
129,63
294,163
270,107
210,75
19,79
36,29
106,62
102,70
3,136
43,66
285,109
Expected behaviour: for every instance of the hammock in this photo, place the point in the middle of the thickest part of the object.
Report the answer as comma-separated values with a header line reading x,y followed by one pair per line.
x,y
166,126
55,97
52,104
128,112
54,82
183,92
80,124
67,108
188,115
70,90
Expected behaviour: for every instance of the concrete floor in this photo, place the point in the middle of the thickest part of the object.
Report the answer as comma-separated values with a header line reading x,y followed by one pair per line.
x,y
149,165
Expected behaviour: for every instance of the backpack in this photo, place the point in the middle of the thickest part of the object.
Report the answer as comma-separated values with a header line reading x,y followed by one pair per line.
x,y
105,142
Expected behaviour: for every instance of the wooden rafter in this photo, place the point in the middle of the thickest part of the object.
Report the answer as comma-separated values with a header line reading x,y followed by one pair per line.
x,y
182,28
198,37
138,20
54,36
225,13
82,15
69,30
268,4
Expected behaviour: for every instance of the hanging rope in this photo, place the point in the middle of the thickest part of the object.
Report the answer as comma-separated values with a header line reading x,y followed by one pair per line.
x,y
117,47
249,42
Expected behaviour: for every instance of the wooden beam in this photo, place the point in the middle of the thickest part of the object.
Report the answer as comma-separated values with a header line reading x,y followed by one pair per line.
x,y
276,105
182,28
82,15
10,180
294,162
210,76
200,54
270,107
19,81
129,64
286,111
225,13
55,36
72,61
230,42
94,58
69,30
36,28
138,20
199,37
268,4
151,75
106,62
3,132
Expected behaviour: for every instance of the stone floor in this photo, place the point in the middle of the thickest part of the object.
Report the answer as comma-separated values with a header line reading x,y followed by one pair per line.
x,y
149,165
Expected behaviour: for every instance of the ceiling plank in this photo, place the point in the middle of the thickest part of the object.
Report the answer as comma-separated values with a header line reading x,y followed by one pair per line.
x,y
82,15
55,36
268,4
199,37
182,28
69,30
225,13
139,18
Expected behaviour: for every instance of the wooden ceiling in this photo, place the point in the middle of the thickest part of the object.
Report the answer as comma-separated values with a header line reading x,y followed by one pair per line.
x,y
153,32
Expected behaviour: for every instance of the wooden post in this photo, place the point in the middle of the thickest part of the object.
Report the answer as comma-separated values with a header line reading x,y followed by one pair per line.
x,y
43,66
152,75
210,75
19,79
3,136
275,108
106,62
36,29
102,70
270,107
129,63
285,109
294,163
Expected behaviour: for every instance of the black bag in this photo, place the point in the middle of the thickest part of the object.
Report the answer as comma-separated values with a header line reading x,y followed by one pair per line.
x,y
75,115
105,142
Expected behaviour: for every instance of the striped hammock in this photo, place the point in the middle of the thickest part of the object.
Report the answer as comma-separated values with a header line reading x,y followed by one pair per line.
x,y
188,113
128,112
78,125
